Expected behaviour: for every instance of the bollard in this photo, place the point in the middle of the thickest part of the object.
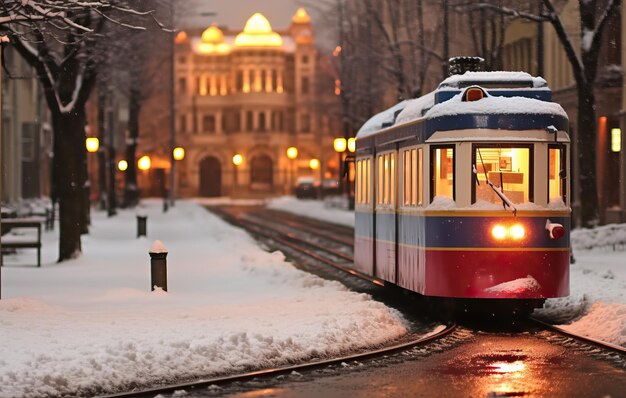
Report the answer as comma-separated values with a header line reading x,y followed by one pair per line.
x,y
142,222
158,266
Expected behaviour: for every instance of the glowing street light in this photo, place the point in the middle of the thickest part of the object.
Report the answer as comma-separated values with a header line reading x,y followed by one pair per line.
x,y
92,144
144,163
122,165
237,159
179,153
351,144
292,152
339,144
314,164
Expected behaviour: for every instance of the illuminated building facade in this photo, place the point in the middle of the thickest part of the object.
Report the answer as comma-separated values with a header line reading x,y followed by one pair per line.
x,y
253,93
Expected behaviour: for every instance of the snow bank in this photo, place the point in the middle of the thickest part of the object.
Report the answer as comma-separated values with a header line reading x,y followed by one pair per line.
x,y
315,209
91,325
611,235
517,286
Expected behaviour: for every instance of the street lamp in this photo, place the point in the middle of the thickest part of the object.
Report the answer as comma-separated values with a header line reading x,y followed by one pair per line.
x,y
179,153
144,163
292,154
237,161
351,144
314,164
122,165
340,145
92,144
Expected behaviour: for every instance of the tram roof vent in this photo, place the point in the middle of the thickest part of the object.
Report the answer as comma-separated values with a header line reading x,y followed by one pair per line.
x,y
460,65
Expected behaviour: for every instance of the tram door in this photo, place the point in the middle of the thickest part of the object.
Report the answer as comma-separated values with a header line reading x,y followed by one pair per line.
x,y
385,216
364,215
210,177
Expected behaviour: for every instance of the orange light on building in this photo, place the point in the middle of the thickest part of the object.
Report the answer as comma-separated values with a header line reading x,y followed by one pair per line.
x,y
122,165
351,144
292,152
144,163
92,144
314,164
238,159
337,51
340,144
179,153
337,87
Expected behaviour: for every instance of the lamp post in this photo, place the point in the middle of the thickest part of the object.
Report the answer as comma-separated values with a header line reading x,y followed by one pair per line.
x,y
237,161
292,154
340,145
351,149
92,144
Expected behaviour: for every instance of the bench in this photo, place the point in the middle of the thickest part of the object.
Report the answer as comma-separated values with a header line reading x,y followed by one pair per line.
x,y
20,242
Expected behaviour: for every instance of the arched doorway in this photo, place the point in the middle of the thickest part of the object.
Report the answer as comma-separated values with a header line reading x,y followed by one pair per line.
x,y
210,177
261,173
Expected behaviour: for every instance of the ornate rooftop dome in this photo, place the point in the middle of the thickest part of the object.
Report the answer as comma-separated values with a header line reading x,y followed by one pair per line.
x,y
258,33
213,35
301,16
181,38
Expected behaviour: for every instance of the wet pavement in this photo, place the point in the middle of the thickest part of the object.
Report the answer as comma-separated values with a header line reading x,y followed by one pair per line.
x,y
482,365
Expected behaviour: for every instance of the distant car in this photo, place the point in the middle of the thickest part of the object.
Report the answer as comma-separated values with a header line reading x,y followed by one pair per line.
x,y
306,187
330,187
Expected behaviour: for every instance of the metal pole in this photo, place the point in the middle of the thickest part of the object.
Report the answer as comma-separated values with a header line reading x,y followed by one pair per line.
x,y
158,266
172,111
2,40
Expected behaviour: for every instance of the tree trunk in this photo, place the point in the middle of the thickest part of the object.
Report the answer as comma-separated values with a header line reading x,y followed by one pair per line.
x,y
69,165
586,139
131,191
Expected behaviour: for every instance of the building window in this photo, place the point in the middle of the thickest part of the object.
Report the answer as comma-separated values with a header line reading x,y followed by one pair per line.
x,y
261,121
305,59
183,124
249,121
556,178
182,85
274,80
239,80
305,123
208,123
305,85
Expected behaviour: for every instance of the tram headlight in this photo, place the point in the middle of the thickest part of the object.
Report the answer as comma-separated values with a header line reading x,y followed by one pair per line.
x,y
517,232
498,232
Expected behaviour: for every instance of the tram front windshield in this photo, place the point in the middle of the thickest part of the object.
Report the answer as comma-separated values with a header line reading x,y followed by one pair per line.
x,y
507,167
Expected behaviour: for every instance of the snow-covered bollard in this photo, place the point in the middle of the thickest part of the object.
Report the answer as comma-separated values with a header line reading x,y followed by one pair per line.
x,y
158,266
142,226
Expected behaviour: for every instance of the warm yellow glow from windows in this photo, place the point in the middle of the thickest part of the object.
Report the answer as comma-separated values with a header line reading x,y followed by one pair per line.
x,y
292,152
237,159
314,164
616,140
122,165
211,48
351,144
258,33
498,232
340,144
508,169
92,144
179,153
301,16
144,163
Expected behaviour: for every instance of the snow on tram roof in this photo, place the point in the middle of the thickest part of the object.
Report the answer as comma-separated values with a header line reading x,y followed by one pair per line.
x,y
495,105
504,77
376,122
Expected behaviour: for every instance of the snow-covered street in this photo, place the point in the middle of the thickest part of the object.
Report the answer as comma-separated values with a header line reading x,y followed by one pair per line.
x,y
92,325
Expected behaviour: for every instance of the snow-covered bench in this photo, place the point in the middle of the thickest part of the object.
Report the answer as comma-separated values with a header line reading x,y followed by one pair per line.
x,y
9,241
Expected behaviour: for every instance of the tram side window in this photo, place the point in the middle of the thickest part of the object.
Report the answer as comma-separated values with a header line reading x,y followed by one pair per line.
x,y
412,192
368,181
363,181
386,181
556,185
508,167
442,172
380,180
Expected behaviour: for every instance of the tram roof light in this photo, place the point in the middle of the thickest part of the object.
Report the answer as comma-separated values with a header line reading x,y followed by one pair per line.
x,y
340,144
292,152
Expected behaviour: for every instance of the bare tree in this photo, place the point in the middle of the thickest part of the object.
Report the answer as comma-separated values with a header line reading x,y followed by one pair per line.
x,y
65,43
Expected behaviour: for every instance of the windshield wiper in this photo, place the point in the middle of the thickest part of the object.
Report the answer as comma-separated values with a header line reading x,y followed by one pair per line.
x,y
505,201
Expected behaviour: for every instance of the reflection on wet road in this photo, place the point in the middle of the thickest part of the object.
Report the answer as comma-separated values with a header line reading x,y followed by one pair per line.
x,y
484,365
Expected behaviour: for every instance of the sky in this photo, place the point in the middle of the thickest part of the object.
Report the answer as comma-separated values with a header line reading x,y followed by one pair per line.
x,y
235,13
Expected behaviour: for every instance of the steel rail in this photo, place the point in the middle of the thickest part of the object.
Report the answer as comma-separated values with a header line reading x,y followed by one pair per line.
x,y
345,239
588,340
261,230
268,373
